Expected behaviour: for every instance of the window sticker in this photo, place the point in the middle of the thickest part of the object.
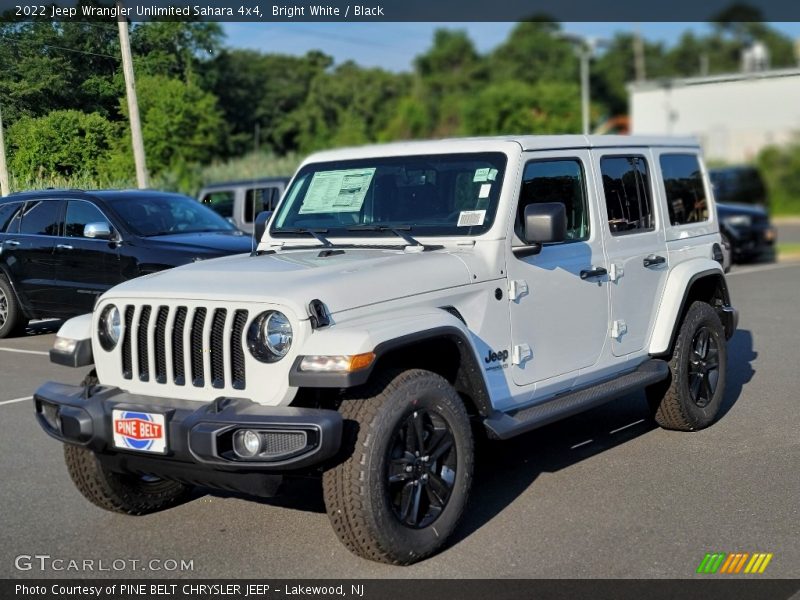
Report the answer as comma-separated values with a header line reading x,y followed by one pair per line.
x,y
492,174
337,191
481,175
471,218
484,191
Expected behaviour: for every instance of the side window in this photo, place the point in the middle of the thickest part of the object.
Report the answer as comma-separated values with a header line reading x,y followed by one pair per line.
x,y
220,202
40,218
560,180
626,186
79,214
8,211
258,200
686,194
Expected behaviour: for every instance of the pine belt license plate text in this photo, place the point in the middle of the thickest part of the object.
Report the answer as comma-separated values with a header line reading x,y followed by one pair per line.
x,y
140,431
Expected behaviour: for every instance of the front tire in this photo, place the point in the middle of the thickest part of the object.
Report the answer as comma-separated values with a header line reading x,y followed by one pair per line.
x,y
401,490
117,492
691,397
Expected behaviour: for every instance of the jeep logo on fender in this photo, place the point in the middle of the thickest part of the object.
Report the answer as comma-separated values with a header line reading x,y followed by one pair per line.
x,y
495,356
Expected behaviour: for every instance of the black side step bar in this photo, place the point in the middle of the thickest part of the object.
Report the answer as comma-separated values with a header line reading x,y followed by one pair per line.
x,y
501,425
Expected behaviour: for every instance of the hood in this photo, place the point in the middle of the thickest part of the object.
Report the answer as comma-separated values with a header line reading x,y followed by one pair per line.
x,y
731,209
354,278
215,242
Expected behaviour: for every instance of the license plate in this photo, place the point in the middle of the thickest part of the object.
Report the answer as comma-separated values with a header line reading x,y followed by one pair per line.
x,y
139,431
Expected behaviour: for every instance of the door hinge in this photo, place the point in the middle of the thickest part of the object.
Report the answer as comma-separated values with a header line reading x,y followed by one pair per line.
x,y
618,329
615,271
520,354
517,288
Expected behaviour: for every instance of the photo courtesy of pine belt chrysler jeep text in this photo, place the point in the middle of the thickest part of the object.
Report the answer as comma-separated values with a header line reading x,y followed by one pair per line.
x,y
402,299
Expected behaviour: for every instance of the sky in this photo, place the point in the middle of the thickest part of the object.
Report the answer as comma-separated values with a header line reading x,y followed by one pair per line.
x,y
393,46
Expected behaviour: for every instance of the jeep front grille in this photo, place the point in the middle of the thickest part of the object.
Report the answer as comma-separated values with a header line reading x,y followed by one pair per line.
x,y
155,336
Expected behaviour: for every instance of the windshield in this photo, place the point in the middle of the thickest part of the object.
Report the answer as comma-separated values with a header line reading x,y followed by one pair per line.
x,y
436,195
148,215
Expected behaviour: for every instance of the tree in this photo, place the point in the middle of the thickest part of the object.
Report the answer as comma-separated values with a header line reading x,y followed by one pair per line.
x,y
181,125
514,107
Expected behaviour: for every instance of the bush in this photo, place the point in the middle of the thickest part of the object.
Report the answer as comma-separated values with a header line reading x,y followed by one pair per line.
x,y
780,167
61,144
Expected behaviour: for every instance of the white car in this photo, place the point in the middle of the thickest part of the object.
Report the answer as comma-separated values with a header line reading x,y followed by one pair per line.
x,y
399,293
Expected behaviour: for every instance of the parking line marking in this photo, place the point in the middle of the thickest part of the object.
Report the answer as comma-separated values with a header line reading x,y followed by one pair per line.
x,y
626,426
39,352
581,444
16,400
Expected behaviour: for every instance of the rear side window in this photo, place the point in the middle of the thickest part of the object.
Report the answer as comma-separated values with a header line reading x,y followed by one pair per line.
x,y
220,202
40,218
626,186
686,194
8,211
258,200
80,214
556,181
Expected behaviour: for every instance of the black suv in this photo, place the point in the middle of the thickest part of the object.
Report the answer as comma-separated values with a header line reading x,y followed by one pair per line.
x,y
59,250
742,208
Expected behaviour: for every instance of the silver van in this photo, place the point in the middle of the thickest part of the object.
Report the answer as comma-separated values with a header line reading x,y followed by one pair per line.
x,y
241,201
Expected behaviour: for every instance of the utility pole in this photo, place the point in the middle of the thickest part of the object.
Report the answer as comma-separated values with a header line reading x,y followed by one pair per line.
x,y
585,56
142,179
638,53
4,190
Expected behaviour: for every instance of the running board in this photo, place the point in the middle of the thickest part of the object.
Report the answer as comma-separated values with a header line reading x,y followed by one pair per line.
x,y
501,425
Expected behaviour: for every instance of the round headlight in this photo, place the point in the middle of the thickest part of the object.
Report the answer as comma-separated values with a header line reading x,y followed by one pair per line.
x,y
110,327
270,336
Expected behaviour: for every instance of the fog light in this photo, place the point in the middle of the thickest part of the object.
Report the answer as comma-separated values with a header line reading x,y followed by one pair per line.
x,y
50,414
246,443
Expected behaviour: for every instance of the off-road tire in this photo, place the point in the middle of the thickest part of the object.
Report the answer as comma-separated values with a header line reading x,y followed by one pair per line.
x,y
117,492
12,319
357,491
671,400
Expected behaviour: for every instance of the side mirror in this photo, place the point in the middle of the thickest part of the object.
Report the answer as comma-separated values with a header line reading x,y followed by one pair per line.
x,y
260,226
97,231
543,223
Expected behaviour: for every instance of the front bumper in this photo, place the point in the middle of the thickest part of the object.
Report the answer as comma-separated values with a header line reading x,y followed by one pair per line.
x,y
199,447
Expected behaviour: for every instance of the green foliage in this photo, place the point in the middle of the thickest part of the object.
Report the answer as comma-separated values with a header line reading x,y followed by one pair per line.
x,y
780,167
514,107
65,142
181,125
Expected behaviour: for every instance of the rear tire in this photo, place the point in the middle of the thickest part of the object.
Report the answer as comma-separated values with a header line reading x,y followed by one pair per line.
x,y
117,492
12,320
407,469
690,398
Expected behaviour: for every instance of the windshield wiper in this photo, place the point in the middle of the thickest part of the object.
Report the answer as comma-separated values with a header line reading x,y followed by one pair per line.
x,y
315,233
398,231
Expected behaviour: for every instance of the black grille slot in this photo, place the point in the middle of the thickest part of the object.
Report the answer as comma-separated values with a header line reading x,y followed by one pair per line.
x,y
237,352
197,347
161,344
141,344
217,347
178,368
127,364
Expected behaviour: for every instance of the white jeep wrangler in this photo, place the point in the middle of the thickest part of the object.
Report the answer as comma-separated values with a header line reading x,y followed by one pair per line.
x,y
399,296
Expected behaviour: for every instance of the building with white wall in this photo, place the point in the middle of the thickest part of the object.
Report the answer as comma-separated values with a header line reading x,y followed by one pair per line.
x,y
734,116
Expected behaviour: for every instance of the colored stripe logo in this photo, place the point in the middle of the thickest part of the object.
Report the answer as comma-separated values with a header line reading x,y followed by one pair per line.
x,y
734,563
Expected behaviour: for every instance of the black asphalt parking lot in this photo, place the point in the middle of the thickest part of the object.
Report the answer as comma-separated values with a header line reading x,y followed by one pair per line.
x,y
605,494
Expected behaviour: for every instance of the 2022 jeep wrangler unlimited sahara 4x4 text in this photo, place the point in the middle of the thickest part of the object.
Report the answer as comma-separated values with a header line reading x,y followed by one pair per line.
x,y
399,295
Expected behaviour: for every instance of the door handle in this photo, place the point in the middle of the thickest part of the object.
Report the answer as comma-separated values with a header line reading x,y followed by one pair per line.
x,y
11,243
64,247
591,273
653,260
